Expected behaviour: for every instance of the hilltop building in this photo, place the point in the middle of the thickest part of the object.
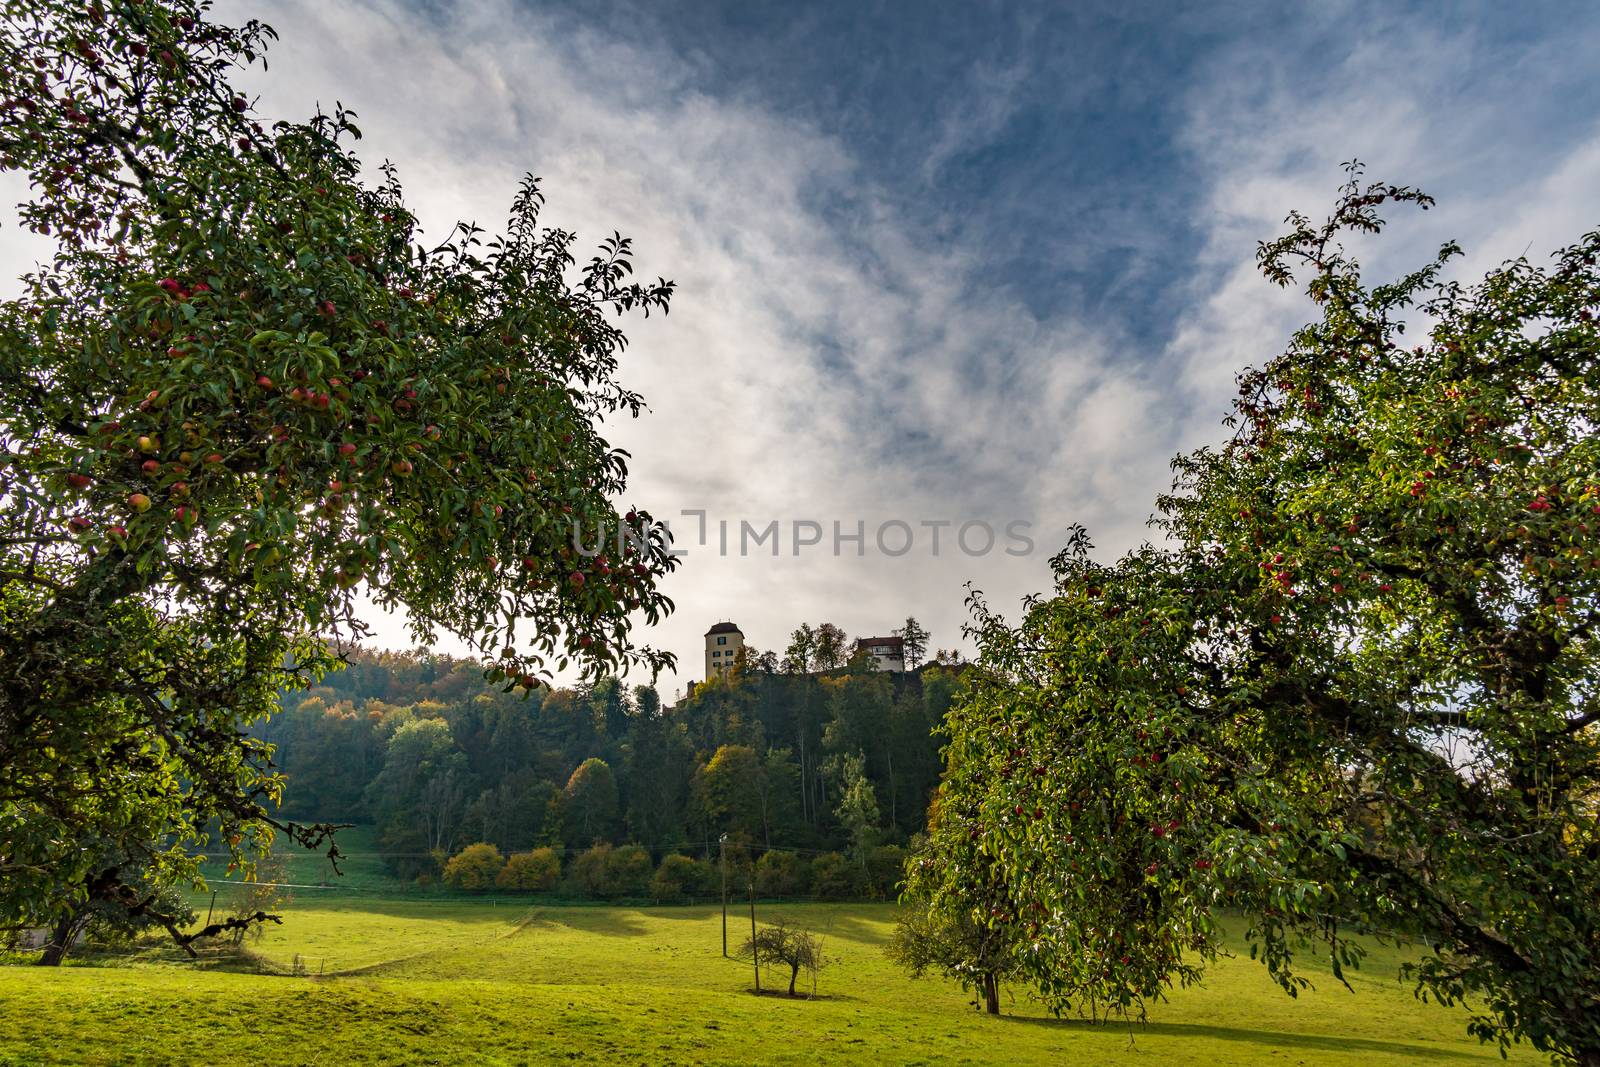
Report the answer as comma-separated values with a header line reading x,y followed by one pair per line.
x,y
723,641
888,653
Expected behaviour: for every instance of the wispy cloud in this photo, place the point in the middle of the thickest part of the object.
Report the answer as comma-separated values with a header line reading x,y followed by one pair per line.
x,y
1478,116
993,93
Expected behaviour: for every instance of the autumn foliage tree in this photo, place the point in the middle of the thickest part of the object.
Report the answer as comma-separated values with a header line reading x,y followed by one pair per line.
x,y
242,390
1354,692
475,867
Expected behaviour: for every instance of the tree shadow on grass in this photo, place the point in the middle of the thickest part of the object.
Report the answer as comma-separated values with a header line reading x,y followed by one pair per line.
x,y
1272,1038
608,922
697,911
850,928
484,909
801,996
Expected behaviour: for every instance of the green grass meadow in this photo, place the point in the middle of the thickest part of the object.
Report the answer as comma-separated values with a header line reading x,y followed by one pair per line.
x,y
446,981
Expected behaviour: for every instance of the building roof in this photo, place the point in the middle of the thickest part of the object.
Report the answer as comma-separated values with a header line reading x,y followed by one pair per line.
x,y
724,628
893,644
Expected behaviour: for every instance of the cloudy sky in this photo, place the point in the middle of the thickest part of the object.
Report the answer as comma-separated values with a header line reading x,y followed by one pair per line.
x,y
964,263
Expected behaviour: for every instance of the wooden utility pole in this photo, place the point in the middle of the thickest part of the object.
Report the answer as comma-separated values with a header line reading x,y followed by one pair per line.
x,y
755,948
722,843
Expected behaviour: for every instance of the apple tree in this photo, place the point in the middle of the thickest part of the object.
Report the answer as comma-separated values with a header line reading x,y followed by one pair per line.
x,y
957,915
241,392
1354,690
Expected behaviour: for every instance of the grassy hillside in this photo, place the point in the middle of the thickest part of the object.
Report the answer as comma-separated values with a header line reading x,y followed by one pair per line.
x,y
445,982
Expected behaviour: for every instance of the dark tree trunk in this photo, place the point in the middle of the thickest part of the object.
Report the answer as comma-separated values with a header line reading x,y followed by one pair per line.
x,y
794,972
805,785
55,950
894,818
991,994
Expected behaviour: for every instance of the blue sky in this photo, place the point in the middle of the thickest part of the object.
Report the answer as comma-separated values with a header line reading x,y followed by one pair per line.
x,y
1053,135
947,262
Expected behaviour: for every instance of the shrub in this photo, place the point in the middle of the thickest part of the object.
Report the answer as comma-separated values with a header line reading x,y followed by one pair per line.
x,y
536,871
886,869
627,872
586,874
833,877
780,874
680,877
474,867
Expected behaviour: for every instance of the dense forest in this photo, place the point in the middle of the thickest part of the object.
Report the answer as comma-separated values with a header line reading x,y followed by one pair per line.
x,y
807,763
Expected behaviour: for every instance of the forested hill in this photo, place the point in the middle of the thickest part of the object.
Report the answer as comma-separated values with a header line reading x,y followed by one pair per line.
x,y
423,748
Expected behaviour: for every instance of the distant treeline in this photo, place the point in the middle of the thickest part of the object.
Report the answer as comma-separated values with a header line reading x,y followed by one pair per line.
x,y
629,873
437,759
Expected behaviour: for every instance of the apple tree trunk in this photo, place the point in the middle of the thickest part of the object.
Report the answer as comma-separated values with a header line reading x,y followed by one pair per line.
x,y
991,994
61,937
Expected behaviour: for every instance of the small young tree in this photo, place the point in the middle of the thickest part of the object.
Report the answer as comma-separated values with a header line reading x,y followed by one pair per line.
x,y
474,868
781,942
263,892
